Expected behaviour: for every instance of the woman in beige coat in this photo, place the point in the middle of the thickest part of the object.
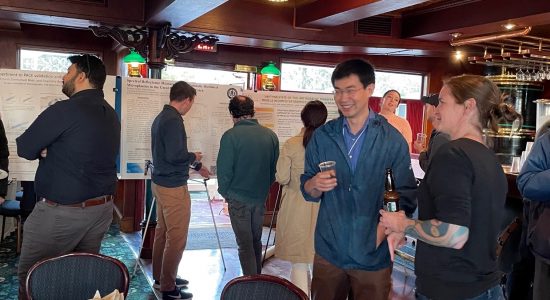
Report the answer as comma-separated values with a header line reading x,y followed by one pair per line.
x,y
297,218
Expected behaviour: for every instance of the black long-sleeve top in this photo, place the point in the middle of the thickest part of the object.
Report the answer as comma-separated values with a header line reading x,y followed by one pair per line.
x,y
171,158
4,162
82,137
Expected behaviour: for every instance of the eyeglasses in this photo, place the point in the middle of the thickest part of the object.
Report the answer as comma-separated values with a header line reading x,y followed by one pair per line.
x,y
349,92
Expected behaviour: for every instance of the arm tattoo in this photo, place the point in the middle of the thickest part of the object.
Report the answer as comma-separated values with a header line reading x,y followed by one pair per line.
x,y
437,233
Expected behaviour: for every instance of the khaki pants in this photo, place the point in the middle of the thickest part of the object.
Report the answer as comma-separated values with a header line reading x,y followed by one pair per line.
x,y
173,216
332,283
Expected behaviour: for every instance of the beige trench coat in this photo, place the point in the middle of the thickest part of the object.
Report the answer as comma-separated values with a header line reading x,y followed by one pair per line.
x,y
297,217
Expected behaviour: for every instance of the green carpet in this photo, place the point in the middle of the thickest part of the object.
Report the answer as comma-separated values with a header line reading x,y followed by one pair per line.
x,y
205,238
113,245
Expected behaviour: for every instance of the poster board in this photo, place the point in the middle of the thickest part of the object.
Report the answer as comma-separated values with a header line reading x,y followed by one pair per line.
x,y
23,96
280,111
143,99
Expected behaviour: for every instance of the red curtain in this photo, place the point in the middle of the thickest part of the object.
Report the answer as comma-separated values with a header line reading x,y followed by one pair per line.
x,y
374,103
415,111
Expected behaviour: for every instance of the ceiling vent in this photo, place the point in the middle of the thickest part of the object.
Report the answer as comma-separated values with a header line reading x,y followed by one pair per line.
x,y
378,25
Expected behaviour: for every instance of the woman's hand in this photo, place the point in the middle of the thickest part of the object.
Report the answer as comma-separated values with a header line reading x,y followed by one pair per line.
x,y
394,221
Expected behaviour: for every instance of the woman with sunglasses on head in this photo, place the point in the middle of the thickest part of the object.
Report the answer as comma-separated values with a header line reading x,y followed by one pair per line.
x,y
461,199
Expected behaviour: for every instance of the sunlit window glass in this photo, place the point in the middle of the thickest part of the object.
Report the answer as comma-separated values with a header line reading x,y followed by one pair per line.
x,y
197,75
35,60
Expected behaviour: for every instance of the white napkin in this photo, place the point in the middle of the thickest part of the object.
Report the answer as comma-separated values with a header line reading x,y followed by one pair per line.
x,y
115,295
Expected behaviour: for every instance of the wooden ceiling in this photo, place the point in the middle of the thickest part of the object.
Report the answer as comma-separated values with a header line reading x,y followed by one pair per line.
x,y
406,27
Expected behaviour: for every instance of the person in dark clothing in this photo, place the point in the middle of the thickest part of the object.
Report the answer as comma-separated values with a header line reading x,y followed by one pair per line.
x,y
171,161
76,142
437,138
533,184
461,199
4,163
246,165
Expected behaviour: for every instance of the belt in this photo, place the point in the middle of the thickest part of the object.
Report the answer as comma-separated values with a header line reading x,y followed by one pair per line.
x,y
85,203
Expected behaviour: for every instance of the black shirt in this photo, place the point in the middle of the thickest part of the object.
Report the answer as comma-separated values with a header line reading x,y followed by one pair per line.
x,y
464,185
171,159
82,136
4,154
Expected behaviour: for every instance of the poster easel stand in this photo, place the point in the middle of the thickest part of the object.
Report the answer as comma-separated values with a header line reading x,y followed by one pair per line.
x,y
275,211
213,219
148,165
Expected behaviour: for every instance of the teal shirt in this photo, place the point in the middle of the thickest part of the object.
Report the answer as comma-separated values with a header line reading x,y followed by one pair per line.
x,y
246,162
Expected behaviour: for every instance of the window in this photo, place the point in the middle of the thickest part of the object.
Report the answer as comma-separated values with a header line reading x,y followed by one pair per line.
x,y
306,78
401,110
205,76
37,60
316,79
408,85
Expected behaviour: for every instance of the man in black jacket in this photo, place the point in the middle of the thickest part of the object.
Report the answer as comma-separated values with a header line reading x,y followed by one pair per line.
x,y
4,154
76,142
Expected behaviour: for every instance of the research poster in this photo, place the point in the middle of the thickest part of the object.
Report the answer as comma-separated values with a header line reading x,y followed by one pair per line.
x,y
24,95
143,99
280,111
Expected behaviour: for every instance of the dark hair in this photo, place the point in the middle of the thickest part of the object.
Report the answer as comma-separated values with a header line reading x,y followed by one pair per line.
x,y
389,91
492,109
181,90
92,66
313,115
241,106
362,68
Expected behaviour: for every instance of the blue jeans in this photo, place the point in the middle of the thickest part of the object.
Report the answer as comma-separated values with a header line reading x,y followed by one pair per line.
x,y
494,293
247,222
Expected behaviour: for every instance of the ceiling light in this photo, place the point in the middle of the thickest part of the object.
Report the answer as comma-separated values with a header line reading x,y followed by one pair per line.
x,y
458,55
455,35
509,26
277,0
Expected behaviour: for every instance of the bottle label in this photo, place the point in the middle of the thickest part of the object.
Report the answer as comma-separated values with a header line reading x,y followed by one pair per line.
x,y
390,206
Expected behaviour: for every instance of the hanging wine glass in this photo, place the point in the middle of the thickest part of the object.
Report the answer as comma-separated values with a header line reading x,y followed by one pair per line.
x,y
540,74
519,74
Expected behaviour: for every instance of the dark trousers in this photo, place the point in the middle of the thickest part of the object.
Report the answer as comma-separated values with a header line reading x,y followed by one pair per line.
x,y
247,221
494,293
541,284
332,283
53,230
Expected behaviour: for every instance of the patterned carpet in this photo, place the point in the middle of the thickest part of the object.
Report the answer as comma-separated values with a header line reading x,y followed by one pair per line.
x,y
113,245
205,237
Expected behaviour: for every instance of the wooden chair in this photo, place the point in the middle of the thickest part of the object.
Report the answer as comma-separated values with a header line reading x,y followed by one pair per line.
x,y
261,287
76,276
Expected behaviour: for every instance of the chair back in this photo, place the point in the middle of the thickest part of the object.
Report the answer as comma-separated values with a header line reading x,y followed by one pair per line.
x,y
261,287
76,276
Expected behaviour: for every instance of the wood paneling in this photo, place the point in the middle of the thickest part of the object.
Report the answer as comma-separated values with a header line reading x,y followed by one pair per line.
x,y
49,38
74,13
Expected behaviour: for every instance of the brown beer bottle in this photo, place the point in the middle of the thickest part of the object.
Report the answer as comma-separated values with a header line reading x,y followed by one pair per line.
x,y
391,197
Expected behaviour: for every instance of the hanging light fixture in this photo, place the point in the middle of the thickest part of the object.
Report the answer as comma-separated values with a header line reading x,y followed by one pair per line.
x,y
270,77
134,61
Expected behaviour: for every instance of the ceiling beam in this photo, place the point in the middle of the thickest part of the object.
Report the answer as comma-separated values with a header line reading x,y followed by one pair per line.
x,y
326,13
178,12
486,15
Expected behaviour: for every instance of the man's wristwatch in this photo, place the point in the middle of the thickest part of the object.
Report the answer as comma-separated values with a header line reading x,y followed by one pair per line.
x,y
197,165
